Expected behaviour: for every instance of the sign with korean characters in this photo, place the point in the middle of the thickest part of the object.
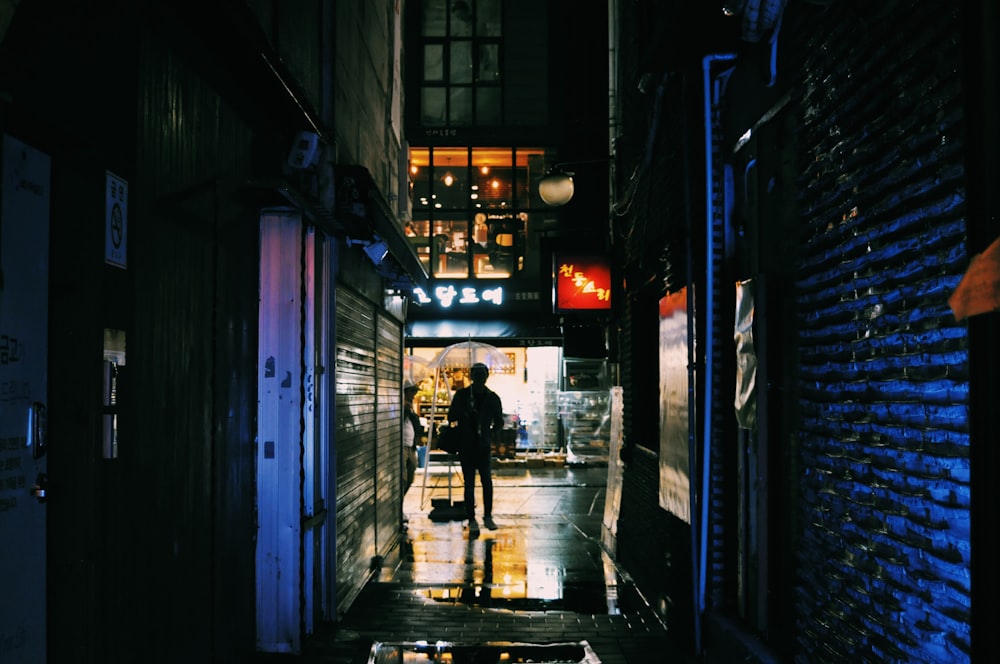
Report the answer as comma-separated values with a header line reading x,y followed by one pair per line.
x,y
116,220
582,282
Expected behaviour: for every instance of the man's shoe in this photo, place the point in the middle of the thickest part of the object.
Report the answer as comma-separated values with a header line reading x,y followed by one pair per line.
x,y
490,523
473,526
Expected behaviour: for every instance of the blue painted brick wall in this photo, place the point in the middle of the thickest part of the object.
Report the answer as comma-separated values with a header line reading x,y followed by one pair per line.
x,y
884,558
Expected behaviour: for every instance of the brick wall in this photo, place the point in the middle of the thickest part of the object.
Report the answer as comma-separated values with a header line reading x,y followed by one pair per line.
x,y
655,546
884,558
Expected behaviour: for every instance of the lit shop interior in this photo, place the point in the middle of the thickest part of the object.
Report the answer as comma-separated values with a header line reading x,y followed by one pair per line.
x,y
555,407
500,292
475,213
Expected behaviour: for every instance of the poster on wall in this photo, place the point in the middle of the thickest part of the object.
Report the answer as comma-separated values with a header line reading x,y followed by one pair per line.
x,y
674,494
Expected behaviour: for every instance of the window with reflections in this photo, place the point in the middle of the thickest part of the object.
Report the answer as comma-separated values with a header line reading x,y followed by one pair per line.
x,y
461,78
472,208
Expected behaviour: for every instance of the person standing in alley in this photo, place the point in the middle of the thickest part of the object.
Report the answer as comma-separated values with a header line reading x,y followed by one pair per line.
x,y
478,413
412,431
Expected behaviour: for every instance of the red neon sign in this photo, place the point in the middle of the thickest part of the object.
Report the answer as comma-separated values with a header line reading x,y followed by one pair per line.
x,y
582,283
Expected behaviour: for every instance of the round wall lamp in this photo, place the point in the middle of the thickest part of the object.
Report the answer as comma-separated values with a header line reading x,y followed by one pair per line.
x,y
556,187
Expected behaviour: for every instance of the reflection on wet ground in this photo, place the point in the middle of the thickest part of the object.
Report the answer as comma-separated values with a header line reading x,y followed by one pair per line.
x,y
502,572
541,580
545,554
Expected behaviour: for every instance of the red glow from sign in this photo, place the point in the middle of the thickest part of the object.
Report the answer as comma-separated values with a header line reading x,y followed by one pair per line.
x,y
583,283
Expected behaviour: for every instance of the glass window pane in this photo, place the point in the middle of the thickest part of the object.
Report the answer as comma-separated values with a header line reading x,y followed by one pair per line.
x,y
489,63
434,63
486,163
467,225
461,62
484,159
500,255
450,245
451,179
418,233
435,18
451,190
461,106
488,18
495,189
487,106
432,106
461,18
420,193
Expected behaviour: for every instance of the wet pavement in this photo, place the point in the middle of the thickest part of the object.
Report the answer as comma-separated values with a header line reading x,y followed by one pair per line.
x,y
538,588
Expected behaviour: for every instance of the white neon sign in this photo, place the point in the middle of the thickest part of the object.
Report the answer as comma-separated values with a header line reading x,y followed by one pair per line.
x,y
447,295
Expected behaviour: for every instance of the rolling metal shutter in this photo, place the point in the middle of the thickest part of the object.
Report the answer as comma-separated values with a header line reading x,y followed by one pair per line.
x,y
367,375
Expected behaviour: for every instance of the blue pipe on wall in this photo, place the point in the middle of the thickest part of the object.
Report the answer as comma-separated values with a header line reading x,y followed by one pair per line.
x,y
699,535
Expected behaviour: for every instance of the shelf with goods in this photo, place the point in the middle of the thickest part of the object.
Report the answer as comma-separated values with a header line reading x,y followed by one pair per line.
x,y
435,416
539,420
586,422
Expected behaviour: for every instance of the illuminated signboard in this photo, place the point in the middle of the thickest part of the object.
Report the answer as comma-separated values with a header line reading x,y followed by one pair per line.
x,y
582,282
448,296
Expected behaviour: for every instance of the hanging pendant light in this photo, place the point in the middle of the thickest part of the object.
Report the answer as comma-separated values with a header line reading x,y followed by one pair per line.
x,y
448,178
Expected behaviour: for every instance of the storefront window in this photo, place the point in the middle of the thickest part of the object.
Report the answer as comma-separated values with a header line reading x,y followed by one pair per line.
x,y
462,69
472,209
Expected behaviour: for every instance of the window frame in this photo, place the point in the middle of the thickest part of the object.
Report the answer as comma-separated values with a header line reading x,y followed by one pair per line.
x,y
484,233
445,86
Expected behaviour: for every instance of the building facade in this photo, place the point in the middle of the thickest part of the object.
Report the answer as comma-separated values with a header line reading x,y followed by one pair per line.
x,y
815,475
218,220
214,407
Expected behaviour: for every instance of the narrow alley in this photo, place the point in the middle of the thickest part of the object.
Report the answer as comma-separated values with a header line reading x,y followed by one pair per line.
x,y
540,588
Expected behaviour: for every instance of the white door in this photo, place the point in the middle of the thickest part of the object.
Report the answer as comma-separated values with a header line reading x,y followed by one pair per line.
x,y
279,435
24,283
291,467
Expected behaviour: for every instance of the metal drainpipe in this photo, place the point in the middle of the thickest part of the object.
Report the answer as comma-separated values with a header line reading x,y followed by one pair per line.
x,y
613,114
699,535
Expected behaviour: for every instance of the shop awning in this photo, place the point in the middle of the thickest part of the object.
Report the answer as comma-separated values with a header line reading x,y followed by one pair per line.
x,y
508,332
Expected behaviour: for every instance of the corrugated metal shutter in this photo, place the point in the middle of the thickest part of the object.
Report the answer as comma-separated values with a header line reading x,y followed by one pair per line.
x,y
368,447
884,555
388,467
355,426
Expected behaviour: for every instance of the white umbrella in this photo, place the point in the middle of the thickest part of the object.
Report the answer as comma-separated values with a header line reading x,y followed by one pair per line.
x,y
466,353
415,369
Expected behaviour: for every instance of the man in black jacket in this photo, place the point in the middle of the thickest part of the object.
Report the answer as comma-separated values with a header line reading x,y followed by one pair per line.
x,y
479,415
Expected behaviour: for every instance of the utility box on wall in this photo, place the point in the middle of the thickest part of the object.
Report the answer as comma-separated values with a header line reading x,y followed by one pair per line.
x,y
584,374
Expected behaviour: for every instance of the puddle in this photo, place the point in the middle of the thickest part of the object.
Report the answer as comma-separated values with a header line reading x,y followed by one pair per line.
x,y
586,598
490,653
484,577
